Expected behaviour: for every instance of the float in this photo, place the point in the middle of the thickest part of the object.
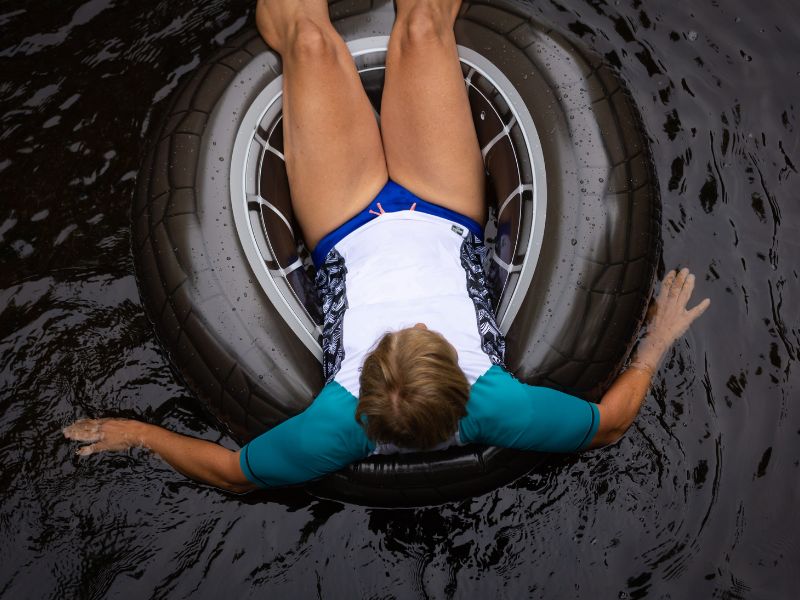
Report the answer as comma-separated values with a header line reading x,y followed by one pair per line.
x,y
572,235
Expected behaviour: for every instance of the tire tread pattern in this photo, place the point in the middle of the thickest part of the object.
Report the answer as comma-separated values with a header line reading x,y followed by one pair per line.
x,y
171,266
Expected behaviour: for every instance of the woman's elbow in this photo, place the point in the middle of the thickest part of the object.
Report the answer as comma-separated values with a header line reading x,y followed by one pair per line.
x,y
231,478
238,488
608,435
612,428
234,485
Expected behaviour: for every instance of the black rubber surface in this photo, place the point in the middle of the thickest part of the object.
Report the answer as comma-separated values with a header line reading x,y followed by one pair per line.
x,y
591,285
597,265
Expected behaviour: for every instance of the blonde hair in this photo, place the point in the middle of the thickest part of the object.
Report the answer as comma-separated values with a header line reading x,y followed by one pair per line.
x,y
412,390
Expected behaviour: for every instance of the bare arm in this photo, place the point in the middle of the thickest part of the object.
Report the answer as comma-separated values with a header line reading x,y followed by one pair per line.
x,y
201,460
621,403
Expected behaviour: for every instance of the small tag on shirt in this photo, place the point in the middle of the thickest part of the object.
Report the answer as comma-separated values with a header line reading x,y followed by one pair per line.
x,y
458,230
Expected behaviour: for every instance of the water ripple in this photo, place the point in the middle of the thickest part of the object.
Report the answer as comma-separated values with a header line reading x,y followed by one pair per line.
x,y
696,501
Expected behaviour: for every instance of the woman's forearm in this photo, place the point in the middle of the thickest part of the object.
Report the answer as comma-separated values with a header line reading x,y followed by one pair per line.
x,y
201,460
621,403
670,320
198,459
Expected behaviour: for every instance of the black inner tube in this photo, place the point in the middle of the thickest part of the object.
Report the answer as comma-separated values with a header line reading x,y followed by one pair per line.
x,y
245,361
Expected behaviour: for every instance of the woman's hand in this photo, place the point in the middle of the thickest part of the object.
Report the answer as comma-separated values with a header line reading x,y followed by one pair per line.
x,y
667,323
669,320
201,460
105,435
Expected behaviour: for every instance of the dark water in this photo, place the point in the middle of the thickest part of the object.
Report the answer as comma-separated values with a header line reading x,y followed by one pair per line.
x,y
698,501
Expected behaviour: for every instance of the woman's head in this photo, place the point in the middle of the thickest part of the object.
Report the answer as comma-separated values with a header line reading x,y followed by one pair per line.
x,y
412,390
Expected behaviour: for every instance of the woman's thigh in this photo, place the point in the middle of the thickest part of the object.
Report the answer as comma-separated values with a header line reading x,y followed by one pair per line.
x,y
332,142
428,135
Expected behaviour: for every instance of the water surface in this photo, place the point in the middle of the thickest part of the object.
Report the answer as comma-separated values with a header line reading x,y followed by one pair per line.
x,y
698,500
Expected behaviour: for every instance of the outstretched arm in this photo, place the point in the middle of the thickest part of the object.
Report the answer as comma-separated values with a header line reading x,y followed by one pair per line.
x,y
199,459
322,439
622,401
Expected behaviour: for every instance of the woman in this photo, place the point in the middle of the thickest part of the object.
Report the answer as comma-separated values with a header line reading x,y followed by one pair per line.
x,y
412,356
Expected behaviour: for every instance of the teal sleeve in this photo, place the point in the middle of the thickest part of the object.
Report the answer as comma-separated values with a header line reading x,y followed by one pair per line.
x,y
322,439
503,411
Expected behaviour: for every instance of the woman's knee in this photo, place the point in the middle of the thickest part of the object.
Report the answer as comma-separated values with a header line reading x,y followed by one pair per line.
x,y
424,24
310,40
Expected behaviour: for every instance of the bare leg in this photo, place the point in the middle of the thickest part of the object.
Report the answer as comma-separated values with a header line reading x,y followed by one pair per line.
x,y
428,135
332,143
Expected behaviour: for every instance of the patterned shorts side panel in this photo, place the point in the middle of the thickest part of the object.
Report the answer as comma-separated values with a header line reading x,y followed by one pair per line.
x,y
332,299
493,343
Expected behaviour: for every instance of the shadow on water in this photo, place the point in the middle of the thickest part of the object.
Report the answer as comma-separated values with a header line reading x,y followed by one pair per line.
x,y
696,501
